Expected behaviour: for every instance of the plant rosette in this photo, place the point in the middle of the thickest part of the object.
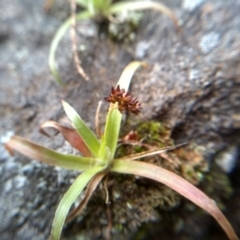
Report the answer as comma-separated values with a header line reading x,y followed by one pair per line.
x,y
100,9
98,160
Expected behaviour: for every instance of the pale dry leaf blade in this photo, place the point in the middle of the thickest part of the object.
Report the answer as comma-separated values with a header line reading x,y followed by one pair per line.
x,y
127,74
178,184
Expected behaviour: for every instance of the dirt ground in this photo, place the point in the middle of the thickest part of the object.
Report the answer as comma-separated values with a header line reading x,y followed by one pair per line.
x,y
192,84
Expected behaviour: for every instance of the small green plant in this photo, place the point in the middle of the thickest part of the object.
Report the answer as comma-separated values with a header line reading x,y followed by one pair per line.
x,y
99,10
98,158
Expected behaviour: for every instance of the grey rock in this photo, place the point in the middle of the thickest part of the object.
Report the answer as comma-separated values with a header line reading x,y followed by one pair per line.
x,y
192,84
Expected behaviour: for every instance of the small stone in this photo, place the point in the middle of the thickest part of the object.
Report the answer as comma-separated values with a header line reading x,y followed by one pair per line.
x,y
87,29
227,159
5,138
191,5
28,168
20,181
8,186
209,42
141,49
194,75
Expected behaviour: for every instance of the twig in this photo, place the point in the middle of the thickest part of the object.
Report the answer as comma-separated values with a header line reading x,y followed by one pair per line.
x,y
109,226
74,41
106,190
97,125
108,229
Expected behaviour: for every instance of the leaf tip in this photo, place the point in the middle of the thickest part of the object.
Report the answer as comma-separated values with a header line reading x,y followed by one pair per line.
x,y
41,129
6,141
64,104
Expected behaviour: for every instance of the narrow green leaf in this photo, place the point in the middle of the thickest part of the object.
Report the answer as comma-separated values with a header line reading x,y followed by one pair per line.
x,y
48,156
142,5
91,187
83,130
178,184
110,137
68,199
55,42
114,117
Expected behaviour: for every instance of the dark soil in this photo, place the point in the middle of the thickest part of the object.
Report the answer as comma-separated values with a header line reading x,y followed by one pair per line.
x,y
192,84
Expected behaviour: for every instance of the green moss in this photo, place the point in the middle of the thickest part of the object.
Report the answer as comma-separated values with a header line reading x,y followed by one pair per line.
x,y
154,133
124,26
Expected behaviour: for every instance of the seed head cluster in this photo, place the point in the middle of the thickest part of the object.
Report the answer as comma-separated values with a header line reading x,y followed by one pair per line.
x,y
125,101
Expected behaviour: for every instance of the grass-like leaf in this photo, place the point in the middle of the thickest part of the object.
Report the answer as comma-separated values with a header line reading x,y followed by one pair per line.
x,y
141,5
48,156
83,130
178,184
114,117
55,42
70,134
91,187
69,197
110,137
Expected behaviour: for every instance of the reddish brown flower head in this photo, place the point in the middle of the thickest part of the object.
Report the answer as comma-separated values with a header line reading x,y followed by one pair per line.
x,y
125,101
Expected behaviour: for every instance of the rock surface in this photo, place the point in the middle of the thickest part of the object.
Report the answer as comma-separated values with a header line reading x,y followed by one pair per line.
x,y
192,83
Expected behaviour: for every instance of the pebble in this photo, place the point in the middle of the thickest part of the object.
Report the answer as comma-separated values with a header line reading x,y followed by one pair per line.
x,y
191,5
227,159
194,75
141,49
209,42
